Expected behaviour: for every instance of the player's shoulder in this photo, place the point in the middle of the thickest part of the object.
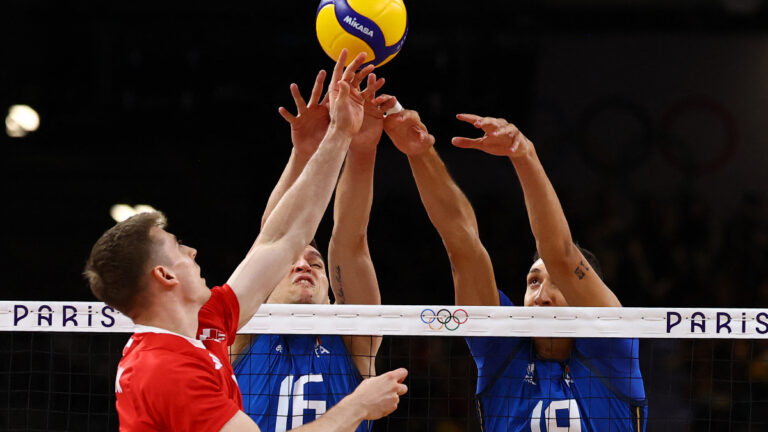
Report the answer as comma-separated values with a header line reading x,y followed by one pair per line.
x,y
221,310
222,295
157,354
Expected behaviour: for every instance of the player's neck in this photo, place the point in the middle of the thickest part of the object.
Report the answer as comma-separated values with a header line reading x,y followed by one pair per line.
x,y
553,348
178,318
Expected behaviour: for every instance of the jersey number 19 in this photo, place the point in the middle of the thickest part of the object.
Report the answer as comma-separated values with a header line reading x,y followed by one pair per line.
x,y
568,407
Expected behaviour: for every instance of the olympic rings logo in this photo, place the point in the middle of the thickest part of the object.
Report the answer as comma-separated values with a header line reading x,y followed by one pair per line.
x,y
444,319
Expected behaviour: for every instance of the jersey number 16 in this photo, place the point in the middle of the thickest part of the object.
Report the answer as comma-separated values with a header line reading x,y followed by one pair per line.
x,y
292,392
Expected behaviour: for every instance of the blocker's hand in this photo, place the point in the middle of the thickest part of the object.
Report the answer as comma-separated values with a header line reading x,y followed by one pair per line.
x,y
501,137
408,133
311,121
346,100
373,122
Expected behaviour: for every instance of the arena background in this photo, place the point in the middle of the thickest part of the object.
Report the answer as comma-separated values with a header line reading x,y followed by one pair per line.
x,y
649,116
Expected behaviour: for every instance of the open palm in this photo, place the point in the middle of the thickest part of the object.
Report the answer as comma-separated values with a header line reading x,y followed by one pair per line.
x,y
309,124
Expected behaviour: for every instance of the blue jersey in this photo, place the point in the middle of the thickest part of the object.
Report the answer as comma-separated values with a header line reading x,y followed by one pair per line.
x,y
599,388
290,380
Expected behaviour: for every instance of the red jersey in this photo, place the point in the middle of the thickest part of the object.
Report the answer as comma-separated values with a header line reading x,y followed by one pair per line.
x,y
169,382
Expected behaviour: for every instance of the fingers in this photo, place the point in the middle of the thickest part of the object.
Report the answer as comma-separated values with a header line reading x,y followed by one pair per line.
x,y
360,76
469,118
372,87
301,106
286,115
509,130
376,85
462,142
343,90
385,102
489,123
369,91
424,136
338,69
485,123
382,393
317,89
350,71
398,374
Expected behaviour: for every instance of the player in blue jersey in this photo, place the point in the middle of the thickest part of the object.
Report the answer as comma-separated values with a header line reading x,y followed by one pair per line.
x,y
289,380
527,384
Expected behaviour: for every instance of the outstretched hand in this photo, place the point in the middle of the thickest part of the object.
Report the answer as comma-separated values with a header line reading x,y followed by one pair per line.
x,y
311,121
373,122
408,133
501,137
346,102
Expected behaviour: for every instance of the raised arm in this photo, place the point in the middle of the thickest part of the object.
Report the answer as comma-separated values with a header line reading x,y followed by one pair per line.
x,y
353,278
293,222
448,209
565,263
308,127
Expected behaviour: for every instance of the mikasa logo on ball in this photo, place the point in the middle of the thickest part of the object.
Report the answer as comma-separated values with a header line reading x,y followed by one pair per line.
x,y
353,22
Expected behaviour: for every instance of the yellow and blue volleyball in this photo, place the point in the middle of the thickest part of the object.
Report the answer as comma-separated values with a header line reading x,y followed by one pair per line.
x,y
377,27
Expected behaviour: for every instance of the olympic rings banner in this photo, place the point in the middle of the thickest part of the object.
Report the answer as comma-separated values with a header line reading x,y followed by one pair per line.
x,y
422,320
444,319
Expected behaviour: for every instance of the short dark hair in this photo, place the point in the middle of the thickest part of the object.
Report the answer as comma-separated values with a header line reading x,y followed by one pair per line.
x,y
118,261
591,259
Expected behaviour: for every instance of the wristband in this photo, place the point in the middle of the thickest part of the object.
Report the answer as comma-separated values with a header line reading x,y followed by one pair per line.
x,y
395,109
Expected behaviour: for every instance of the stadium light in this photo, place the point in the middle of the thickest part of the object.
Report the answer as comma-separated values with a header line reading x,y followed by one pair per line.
x,y
121,212
21,120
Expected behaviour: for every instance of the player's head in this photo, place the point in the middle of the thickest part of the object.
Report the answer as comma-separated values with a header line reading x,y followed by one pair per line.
x,y
539,289
131,255
306,281
119,260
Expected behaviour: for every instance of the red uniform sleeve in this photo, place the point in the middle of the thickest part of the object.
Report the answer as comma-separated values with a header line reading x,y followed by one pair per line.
x,y
186,397
219,316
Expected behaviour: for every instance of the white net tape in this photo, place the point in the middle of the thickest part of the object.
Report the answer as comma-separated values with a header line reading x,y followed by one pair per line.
x,y
422,320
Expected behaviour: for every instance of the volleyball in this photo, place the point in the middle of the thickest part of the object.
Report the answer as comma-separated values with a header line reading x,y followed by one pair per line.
x,y
377,27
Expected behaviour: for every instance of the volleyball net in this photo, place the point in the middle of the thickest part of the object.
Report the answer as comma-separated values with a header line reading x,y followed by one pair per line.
x,y
702,369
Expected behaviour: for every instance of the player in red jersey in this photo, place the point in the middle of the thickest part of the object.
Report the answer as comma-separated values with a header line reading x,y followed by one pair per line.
x,y
175,374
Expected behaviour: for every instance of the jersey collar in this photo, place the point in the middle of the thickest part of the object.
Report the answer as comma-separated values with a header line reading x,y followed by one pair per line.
x,y
150,329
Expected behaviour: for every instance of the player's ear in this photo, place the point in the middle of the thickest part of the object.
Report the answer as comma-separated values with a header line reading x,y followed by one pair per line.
x,y
164,276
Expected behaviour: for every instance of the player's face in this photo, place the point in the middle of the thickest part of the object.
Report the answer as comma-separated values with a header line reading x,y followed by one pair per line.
x,y
180,260
305,283
540,291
